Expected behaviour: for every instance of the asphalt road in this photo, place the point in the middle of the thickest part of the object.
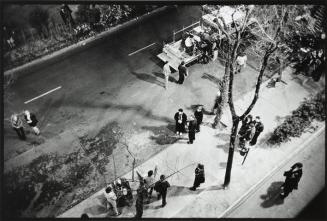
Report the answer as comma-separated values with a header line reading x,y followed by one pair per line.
x,y
103,68
265,203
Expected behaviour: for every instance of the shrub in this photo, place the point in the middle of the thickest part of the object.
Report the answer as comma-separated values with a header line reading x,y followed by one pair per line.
x,y
38,19
301,118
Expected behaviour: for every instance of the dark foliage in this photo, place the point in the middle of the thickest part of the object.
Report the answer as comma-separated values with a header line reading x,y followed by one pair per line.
x,y
301,118
38,19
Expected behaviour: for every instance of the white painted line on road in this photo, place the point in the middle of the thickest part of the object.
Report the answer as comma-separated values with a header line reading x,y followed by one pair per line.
x,y
57,88
141,49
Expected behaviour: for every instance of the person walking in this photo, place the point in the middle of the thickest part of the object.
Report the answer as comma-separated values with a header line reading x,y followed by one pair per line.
x,y
166,72
191,130
198,114
240,62
292,180
31,121
161,187
218,100
180,118
17,125
199,177
258,129
141,193
149,181
182,71
111,200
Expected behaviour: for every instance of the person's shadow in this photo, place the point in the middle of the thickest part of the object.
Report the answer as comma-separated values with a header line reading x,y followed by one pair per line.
x,y
272,196
148,78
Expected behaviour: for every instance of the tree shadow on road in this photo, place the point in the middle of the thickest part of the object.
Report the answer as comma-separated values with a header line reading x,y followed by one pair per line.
x,y
193,107
225,147
162,135
213,79
272,197
148,78
161,75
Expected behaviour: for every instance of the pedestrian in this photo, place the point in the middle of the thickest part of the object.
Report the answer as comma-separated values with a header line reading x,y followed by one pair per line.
x,y
258,129
161,187
191,130
111,200
240,62
247,136
198,114
218,100
180,118
245,123
141,193
149,181
293,177
31,121
166,72
189,45
199,177
182,71
17,125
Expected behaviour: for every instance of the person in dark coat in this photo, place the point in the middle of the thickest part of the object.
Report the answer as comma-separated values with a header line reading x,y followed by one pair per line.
x,y
17,125
199,177
191,130
180,118
161,187
141,194
245,124
293,177
182,71
258,129
199,117
247,136
32,121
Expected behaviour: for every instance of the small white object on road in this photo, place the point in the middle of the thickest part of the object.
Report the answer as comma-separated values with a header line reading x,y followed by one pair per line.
x,y
141,49
57,88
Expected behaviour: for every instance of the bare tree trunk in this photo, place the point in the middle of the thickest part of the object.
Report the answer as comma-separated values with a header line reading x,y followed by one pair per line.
x,y
236,121
224,97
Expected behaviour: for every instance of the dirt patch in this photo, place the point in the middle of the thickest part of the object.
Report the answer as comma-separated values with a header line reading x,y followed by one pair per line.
x,y
77,175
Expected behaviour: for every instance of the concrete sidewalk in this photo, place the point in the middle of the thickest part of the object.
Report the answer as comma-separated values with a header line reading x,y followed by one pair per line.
x,y
211,149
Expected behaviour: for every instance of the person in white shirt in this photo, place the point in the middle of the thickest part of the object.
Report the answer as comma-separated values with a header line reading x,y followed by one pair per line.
x,y
166,72
240,62
189,44
149,181
111,199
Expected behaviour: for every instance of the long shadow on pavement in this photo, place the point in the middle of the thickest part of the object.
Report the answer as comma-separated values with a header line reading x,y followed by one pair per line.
x,y
148,78
272,197
160,75
211,78
162,134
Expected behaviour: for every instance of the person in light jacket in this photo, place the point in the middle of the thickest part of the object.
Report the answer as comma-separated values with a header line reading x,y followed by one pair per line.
x,y
17,125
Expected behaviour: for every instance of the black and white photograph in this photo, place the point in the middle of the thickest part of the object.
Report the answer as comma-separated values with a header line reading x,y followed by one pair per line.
x,y
163,109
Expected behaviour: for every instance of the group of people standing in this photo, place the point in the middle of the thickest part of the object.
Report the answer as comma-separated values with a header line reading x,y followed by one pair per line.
x,y
193,125
250,131
18,125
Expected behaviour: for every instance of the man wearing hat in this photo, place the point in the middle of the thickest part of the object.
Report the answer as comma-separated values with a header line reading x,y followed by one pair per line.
x,y
180,118
191,130
258,129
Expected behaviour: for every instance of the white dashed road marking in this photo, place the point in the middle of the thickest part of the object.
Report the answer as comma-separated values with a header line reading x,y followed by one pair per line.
x,y
57,88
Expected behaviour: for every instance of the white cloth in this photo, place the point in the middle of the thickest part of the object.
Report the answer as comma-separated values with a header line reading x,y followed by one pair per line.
x,y
241,60
149,180
188,42
166,70
111,197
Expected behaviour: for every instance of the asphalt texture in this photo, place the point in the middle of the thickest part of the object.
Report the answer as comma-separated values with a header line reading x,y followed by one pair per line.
x,y
98,70
265,201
